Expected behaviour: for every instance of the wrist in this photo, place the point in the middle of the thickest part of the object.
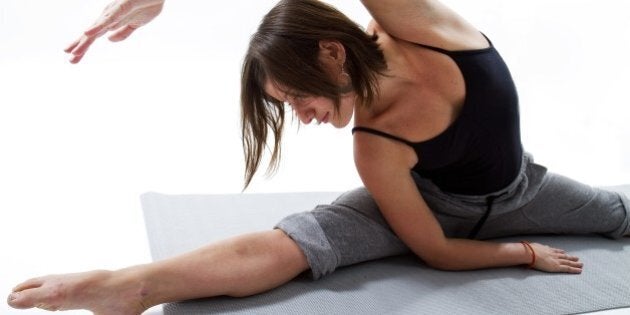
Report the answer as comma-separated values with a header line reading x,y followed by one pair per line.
x,y
530,251
518,254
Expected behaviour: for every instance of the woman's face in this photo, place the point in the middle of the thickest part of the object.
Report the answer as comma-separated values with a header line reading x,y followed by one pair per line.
x,y
314,108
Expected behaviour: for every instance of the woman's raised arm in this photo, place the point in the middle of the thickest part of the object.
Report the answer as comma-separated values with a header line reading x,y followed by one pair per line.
x,y
425,21
122,17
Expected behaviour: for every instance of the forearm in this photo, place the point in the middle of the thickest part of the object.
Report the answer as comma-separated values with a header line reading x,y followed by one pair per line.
x,y
464,254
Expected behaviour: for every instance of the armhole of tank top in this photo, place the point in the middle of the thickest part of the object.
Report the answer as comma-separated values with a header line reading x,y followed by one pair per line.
x,y
381,134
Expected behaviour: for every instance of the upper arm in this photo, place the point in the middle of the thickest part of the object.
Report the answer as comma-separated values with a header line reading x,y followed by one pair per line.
x,y
425,21
385,169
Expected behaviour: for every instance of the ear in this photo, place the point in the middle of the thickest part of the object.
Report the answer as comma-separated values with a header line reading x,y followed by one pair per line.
x,y
332,51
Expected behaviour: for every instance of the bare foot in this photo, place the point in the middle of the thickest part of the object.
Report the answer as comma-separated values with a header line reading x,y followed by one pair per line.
x,y
102,292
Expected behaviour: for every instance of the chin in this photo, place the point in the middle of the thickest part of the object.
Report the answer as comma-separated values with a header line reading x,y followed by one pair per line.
x,y
341,122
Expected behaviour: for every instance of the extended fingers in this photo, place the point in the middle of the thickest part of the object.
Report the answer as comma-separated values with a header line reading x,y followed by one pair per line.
x,y
569,264
125,12
557,250
80,48
122,17
136,18
568,257
571,267
121,33
111,15
72,46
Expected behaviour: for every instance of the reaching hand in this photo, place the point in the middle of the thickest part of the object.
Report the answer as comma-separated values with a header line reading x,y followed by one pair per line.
x,y
555,260
122,17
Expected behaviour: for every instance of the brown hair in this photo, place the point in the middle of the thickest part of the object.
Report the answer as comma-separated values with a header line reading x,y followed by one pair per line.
x,y
285,51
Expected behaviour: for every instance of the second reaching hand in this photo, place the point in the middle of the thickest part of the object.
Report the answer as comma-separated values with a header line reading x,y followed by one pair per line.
x,y
122,17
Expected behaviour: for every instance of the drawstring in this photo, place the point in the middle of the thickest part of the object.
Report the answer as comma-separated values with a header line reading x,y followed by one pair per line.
x,y
489,202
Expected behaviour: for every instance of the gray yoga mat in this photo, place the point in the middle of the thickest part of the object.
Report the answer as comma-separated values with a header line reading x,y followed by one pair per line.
x,y
397,285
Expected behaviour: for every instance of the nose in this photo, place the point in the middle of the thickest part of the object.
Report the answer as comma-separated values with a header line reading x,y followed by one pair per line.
x,y
306,116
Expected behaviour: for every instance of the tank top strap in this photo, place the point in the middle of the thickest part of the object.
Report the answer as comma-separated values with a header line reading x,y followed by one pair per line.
x,y
448,52
436,49
381,134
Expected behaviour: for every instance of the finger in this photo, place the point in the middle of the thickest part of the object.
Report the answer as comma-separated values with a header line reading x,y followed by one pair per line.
x,y
81,48
568,266
571,269
121,33
100,26
111,15
75,58
71,47
138,18
134,21
571,263
567,257
559,251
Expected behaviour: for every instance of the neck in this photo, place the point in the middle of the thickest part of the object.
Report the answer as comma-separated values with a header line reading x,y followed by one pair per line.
x,y
390,89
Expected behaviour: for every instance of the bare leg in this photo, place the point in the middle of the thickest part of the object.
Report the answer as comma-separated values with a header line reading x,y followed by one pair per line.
x,y
240,266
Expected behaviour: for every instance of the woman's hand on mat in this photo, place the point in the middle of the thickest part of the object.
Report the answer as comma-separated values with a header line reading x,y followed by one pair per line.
x,y
551,259
122,17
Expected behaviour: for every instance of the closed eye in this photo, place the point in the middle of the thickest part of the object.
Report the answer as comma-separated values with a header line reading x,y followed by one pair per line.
x,y
299,100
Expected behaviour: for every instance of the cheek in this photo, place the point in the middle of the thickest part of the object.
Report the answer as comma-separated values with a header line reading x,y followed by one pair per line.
x,y
347,107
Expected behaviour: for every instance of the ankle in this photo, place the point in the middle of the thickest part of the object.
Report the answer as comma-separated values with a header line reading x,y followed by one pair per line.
x,y
134,286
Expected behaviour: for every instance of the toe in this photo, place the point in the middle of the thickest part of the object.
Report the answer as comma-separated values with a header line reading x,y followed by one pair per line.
x,y
39,297
19,300
29,284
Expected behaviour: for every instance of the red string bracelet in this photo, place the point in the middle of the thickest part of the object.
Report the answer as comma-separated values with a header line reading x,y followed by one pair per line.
x,y
528,245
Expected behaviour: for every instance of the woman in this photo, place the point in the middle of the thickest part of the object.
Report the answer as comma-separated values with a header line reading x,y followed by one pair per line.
x,y
437,145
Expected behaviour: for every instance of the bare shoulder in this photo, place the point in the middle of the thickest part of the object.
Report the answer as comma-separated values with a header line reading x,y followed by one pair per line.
x,y
378,158
424,21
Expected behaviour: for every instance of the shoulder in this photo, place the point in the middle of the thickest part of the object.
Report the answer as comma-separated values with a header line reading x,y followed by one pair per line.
x,y
378,158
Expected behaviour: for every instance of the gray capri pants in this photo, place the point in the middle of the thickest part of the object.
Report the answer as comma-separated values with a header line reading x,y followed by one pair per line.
x,y
352,229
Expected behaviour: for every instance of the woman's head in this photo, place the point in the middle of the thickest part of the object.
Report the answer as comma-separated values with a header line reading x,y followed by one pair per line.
x,y
294,54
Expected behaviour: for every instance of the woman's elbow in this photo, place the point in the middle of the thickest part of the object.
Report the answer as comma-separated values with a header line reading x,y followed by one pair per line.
x,y
441,261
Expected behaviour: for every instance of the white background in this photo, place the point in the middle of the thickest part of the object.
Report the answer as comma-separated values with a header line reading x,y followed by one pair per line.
x,y
160,112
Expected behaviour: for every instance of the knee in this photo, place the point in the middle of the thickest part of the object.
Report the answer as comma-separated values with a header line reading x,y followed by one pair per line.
x,y
618,216
289,251
274,246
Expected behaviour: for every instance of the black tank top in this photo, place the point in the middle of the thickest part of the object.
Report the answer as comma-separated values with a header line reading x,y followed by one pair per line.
x,y
481,151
